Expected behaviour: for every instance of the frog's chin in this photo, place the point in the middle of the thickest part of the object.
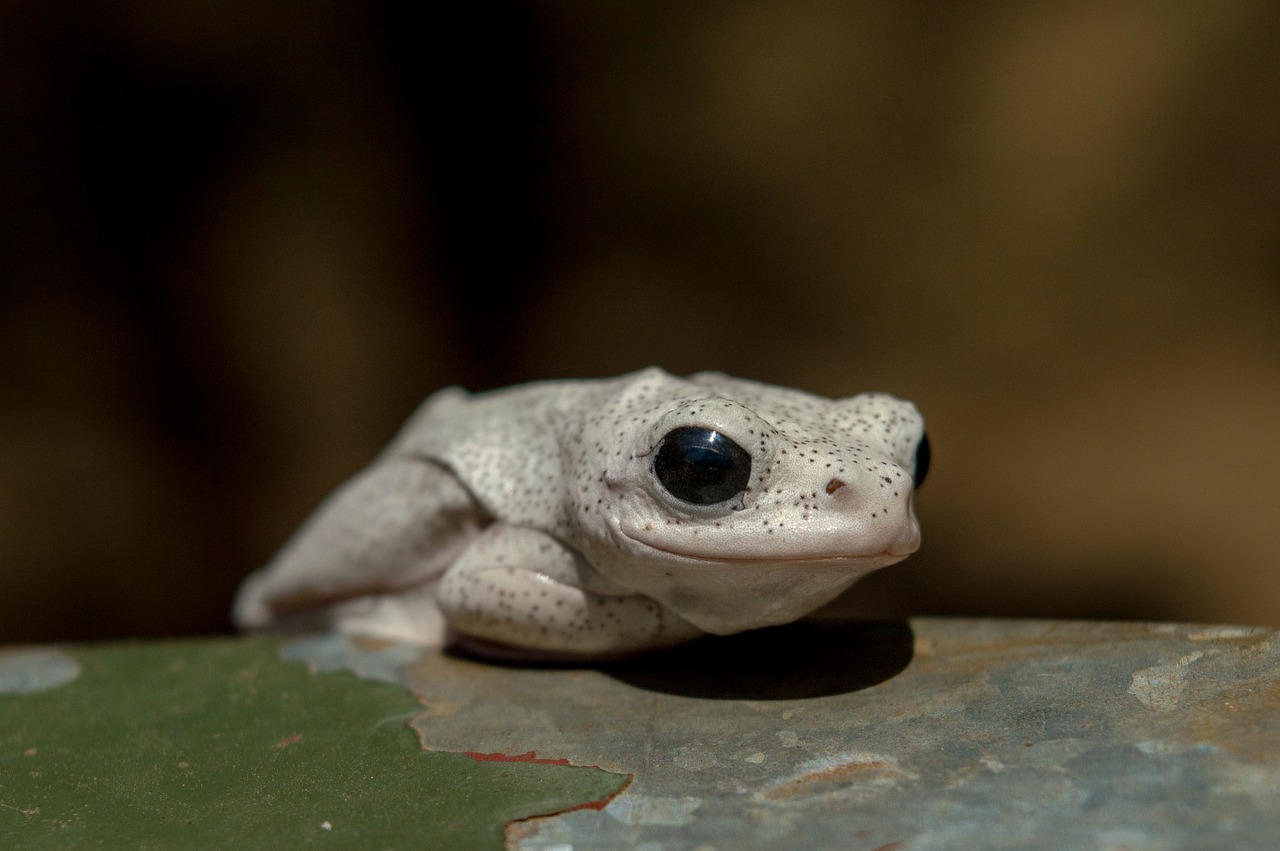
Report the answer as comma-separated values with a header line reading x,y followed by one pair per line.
x,y
726,585
728,595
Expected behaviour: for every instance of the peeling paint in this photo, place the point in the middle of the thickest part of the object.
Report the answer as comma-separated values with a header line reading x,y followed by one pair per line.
x,y
368,658
1155,748
860,775
35,669
198,744
520,830
788,738
1008,734
654,810
440,708
531,756
992,764
1222,633
1160,687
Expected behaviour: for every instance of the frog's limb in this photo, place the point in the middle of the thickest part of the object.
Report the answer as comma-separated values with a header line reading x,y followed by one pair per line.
x,y
517,587
410,616
374,548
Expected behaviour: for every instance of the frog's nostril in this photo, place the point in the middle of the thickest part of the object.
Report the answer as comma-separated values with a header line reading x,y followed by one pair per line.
x,y
834,485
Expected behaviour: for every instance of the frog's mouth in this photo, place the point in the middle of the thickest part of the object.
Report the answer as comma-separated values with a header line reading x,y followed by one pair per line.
x,y
869,524
880,559
866,549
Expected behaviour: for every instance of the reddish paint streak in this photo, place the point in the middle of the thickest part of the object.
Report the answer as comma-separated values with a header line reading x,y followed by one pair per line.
x,y
528,827
284,743
531,756
603,802
891,846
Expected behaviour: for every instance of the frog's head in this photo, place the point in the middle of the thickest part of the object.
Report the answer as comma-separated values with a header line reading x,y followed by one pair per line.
x,y
741,505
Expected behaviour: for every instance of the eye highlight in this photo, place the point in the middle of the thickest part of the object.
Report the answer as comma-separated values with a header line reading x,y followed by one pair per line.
x,y
701,465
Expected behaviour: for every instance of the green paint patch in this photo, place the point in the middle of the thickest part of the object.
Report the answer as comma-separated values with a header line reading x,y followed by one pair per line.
x,y
212,744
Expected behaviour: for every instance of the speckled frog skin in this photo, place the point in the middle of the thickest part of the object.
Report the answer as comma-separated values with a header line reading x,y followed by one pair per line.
x,y
597,518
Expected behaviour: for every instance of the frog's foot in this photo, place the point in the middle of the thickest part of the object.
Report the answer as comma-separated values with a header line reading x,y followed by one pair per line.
x,y
410,616
519,594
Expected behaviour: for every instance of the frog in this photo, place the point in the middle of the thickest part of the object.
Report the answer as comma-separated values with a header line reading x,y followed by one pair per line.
x,y
601,518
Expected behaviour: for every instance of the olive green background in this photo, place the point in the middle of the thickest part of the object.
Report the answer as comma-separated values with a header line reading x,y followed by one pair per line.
x,y
239,242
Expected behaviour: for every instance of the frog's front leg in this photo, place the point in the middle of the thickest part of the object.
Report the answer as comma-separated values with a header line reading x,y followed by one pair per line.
x,y
368,560
517,589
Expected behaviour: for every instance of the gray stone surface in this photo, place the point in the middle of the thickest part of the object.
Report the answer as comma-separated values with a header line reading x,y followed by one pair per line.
x,y
920,735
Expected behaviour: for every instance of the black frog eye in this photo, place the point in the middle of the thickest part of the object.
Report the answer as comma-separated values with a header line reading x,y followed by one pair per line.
x,y
923,454
701,465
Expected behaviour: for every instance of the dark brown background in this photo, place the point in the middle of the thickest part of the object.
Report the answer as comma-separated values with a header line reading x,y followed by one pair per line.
x,y
240,241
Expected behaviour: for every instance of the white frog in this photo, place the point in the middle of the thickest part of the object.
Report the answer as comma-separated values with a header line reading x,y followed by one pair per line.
x,y
599,518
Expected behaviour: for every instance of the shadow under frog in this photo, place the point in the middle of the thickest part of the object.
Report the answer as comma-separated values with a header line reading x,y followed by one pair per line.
x,y
806,659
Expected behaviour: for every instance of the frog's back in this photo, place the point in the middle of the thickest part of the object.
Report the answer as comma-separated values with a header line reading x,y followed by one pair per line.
x,y
507,446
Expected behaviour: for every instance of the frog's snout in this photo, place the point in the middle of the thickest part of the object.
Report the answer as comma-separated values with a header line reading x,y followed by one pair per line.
x,y
908,538
906,543
879,510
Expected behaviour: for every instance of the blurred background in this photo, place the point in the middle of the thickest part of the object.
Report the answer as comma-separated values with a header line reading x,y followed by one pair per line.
x,y
239,242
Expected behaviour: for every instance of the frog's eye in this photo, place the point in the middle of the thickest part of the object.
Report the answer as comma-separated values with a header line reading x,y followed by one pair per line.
x,y
701,465
922,460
